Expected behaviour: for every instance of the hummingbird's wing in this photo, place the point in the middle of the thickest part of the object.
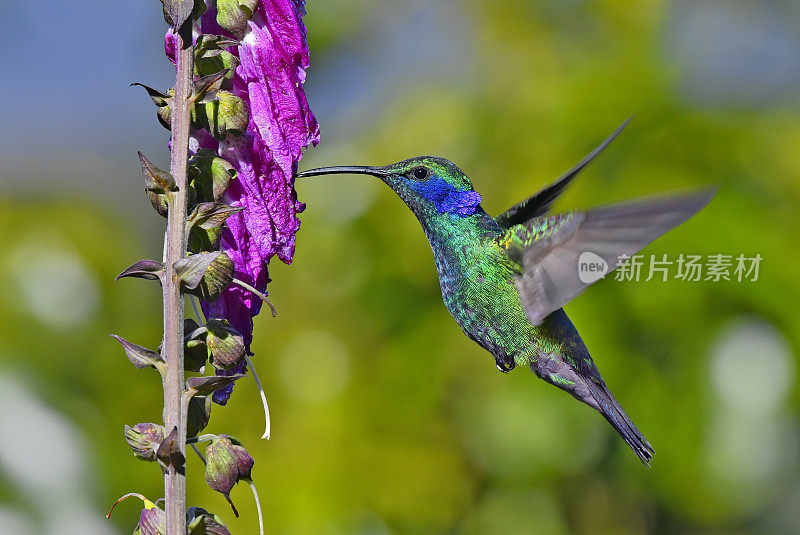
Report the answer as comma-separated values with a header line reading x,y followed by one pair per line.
x,y
551,249
539,204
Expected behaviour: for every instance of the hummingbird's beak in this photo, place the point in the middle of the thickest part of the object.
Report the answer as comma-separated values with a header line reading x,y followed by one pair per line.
x,y
346,169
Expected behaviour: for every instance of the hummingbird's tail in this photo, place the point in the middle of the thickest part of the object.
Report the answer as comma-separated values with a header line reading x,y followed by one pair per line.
x,y
567,364
611,409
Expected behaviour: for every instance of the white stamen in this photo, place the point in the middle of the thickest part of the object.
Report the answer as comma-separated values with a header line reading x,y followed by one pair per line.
x,y
258,506
263,397
262,296
199,454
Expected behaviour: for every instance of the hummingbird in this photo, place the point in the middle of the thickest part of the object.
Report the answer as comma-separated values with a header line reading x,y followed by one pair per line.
x,y
506,279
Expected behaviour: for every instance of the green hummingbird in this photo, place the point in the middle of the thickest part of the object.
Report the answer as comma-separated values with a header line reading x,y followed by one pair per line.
x,y
506,279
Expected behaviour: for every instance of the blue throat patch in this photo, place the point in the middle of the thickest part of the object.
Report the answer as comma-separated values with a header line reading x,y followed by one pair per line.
x,y
447,199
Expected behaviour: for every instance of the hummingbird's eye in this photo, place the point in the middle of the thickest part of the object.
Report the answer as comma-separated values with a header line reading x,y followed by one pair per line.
x,y
420,173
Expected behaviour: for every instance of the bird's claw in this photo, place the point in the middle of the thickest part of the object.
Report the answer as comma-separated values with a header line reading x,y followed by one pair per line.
x,y
505,366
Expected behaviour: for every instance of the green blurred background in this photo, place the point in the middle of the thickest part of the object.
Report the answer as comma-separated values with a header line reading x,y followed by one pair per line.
x,y
385,417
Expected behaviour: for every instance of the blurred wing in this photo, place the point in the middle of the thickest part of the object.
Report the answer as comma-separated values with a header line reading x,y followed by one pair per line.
x,y
540,203
550,257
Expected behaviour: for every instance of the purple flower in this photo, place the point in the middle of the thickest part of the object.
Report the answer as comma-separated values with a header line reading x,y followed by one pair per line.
x,y
273,57
170,45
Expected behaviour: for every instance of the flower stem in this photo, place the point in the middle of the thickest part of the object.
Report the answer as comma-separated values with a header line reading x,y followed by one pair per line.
x,y
123,498
201,438
175,249
199,453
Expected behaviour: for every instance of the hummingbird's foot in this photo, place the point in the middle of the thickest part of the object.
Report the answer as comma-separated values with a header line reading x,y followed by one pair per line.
x,y
505,364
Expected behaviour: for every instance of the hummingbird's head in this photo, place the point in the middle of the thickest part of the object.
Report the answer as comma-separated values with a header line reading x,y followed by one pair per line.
x,y
427,184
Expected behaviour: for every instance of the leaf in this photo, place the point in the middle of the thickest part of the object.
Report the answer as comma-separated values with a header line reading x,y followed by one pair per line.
x,y
195,355
208,84
191,269
159,99
208,384
198,415
141,357
155,179
211,56
169,451
177,11
162,101
210,43
143,269
209,215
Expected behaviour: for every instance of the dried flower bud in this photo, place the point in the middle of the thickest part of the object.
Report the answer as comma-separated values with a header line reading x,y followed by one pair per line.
x,y
225,344
227,464
152,521
169,452
198,415
144,440
156,179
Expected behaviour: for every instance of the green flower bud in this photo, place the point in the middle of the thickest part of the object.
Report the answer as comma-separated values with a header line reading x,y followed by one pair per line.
x,y
217,278
210,175
201,522
234,14
205,275
144,440
225,344
227,464
221,60
225,114
159,202
205,225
